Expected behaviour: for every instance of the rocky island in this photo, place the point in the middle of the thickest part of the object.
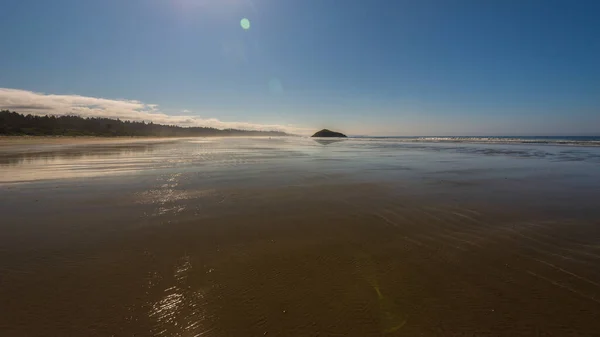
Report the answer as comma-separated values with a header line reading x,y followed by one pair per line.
x,y
329,133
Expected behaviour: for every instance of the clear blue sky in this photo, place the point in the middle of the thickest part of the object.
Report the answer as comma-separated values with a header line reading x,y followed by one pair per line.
x,y
397,67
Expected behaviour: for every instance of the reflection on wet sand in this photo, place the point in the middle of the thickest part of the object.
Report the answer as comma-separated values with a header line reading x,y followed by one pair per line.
x,y
75,161
327,141
265,237
349,260
74,153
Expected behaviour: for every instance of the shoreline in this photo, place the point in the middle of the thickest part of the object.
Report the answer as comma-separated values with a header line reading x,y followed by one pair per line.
x,y
6,142
10,145
212,235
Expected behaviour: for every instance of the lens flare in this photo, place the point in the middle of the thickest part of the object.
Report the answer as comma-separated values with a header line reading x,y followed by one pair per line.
x,y
245,23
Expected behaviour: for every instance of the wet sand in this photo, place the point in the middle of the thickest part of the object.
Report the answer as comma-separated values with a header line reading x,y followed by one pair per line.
x,y
12,143
287,238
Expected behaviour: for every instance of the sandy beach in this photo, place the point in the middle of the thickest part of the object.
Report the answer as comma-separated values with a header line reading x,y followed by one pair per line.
x,y
247,168
292,237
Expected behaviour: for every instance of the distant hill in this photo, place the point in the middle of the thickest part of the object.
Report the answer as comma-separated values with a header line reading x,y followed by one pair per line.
x,y
329,133
12,123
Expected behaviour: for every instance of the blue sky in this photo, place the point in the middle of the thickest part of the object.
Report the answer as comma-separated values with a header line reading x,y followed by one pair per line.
x,y
397,67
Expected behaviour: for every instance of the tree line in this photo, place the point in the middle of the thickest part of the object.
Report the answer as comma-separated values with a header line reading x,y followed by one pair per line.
x,y
16,124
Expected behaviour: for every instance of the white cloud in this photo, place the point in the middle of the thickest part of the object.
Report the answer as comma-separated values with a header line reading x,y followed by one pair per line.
x,y
28,102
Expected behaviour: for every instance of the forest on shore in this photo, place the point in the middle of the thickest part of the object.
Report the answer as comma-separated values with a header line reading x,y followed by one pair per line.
x,y
16,124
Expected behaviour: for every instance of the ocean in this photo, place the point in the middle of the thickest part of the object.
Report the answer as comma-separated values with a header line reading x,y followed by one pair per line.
x,y
549,140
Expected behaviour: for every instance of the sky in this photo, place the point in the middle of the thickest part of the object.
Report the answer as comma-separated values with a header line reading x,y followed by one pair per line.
x,y
395,68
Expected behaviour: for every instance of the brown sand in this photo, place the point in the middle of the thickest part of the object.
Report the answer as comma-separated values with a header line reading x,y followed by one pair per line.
x,y
334,260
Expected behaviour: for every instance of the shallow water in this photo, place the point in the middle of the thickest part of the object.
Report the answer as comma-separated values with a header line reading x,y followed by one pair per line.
x,y
295,236
473,171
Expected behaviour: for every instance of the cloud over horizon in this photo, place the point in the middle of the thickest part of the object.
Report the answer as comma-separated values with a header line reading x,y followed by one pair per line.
x,y
29,102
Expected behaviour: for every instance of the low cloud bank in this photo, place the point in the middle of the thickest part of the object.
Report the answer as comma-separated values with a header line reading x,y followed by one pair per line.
x,y
29,102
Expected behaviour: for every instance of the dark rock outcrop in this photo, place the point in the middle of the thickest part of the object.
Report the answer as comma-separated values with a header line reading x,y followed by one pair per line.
x,y
329,133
